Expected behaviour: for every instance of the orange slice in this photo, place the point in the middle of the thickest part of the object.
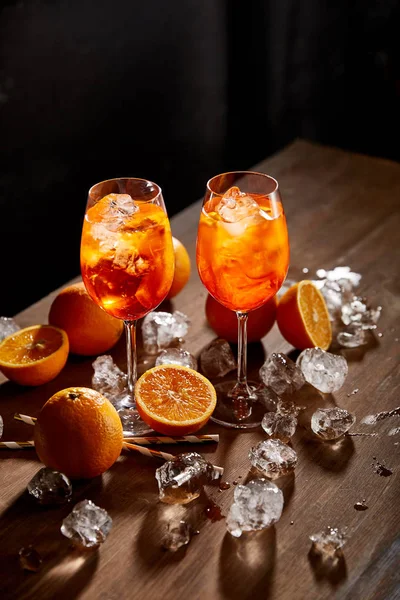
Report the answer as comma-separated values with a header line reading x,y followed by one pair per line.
x,y
34,355
174,400
303,317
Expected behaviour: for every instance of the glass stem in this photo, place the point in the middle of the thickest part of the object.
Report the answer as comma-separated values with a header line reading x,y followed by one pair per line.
x,y
242,348
130,334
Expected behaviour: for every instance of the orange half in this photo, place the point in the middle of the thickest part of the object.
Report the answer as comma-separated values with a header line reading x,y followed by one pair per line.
x,y
174,400
303,317
34,355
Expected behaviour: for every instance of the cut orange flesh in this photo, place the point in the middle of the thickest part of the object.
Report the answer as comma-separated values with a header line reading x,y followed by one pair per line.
x,y
34,355
174,400
303,317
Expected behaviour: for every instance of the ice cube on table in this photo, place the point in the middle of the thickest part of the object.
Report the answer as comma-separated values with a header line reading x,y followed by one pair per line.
x,y
358,312
346,278
161,329
7,327
331,423
333,296
181,480
50,487
176,356
217,359
328,543
30,559
273,458
256,505
325,371
281,374
278,426
109,380
87,525
353,337
236,205
177,535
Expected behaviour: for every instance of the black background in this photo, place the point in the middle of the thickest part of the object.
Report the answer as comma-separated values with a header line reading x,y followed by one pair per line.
x,y
173,91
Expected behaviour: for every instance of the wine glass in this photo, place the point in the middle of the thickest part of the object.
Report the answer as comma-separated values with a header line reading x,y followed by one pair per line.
x,y
242,259
127,263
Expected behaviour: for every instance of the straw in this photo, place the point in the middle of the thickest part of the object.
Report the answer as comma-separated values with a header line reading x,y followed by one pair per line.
x,y
146,441
184,439
25,419
159,454
17,445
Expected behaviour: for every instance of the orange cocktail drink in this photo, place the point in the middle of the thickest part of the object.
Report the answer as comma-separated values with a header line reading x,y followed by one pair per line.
x,y
242,248
127,257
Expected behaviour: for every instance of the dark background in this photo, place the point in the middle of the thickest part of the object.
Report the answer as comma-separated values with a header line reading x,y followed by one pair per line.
x,y
173,91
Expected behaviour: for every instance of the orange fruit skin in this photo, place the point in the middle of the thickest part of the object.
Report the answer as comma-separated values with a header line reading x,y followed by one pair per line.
x,y
182,269
41,371
291,323
90,330
162,425
224,321
80,436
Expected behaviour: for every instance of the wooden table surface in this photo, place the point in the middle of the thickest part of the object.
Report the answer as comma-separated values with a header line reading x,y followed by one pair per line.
x,y
342,209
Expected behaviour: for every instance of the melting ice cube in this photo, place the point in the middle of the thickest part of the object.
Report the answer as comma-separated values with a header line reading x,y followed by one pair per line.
x,y
176,356
109,380
273,458
50,487
281,374
161,329
217,359
323,370
181,480
331,423
87,525
256,505
7,327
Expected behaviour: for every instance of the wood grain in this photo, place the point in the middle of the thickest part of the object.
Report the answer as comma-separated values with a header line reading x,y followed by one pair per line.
x,y
343,209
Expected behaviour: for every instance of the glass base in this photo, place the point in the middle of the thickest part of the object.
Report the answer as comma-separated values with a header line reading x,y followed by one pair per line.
x,y
239,406
132,424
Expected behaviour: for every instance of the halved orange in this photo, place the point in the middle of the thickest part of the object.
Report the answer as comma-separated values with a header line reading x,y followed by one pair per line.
x,y
303,317
174,400
34,355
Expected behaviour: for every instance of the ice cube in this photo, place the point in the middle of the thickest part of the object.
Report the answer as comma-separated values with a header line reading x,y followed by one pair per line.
x,y
181,480
7,327
281,374
331,423
50,487
161,329
343,275
279,426
353,337
30,559
328,543
236,205
256,505
87,525
109,380
177,535
176,356
358,312
121,205
323,370
273,458
333,295
217,359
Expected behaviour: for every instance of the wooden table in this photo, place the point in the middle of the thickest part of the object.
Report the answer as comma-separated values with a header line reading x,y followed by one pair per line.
x,y
342,209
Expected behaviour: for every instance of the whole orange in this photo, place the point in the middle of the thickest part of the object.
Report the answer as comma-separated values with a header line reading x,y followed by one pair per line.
x,y
224,321
90,330
182,268
78,432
